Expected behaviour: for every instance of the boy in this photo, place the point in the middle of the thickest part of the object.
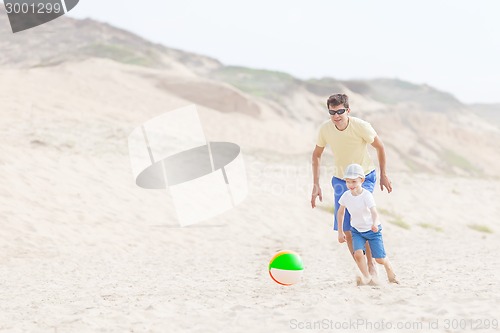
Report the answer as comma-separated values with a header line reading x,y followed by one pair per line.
x,y
364,224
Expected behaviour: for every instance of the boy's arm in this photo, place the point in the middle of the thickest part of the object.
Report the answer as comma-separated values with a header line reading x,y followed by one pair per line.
x,y
374,213
340,224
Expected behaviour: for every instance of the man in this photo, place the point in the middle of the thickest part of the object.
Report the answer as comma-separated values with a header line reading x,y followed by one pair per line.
x,y
348,138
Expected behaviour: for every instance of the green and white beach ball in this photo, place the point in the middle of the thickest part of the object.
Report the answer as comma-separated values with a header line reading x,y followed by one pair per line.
x,y
286,268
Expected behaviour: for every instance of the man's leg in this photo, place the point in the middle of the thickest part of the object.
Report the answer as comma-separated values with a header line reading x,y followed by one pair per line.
x,y
348,237
369,260
369,184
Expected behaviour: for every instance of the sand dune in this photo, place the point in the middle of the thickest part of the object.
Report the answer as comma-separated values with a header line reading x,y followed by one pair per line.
x,y
82,249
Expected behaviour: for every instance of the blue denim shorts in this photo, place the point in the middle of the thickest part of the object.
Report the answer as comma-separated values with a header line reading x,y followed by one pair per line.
x,y
339,187
374,239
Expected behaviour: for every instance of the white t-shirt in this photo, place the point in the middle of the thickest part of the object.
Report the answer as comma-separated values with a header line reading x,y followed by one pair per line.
x,y
359,208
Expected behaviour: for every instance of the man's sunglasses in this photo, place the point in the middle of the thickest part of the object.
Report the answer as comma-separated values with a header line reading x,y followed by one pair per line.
x,y
339,111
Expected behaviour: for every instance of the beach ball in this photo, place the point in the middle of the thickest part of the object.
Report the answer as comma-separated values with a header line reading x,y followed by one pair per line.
x,y
286,268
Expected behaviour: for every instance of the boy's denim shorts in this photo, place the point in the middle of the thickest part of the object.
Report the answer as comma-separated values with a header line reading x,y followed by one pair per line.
x,y
339,187
374,239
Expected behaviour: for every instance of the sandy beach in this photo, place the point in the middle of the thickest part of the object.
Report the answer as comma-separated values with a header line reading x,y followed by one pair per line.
x,y
83,249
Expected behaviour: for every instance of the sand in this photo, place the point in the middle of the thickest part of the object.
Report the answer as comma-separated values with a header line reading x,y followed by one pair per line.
x,y
83,249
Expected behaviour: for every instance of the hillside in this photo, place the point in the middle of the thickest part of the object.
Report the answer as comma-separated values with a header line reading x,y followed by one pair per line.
x,y
425,130
489,112
67,39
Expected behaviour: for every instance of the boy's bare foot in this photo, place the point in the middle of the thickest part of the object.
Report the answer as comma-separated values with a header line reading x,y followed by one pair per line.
x,y
359,281
362,281
392,278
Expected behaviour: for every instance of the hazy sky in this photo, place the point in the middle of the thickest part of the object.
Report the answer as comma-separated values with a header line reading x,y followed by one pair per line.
x,y
452,45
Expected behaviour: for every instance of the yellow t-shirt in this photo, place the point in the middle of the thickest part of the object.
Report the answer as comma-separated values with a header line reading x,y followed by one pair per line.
x,y
348,146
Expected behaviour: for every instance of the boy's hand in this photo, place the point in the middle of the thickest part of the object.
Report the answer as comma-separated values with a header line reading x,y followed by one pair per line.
x,y
341,237
374,228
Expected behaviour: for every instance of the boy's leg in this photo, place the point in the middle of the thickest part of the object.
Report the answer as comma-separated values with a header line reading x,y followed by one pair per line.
x,y
388,268
359,257
369,260
378,252
359,248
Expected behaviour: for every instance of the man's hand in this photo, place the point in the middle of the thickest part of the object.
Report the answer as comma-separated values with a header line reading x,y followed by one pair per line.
x,y
384,181
374,228
316,192
342,238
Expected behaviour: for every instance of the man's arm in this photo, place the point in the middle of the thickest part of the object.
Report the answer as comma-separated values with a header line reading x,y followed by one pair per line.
x,y
384,180
316,159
